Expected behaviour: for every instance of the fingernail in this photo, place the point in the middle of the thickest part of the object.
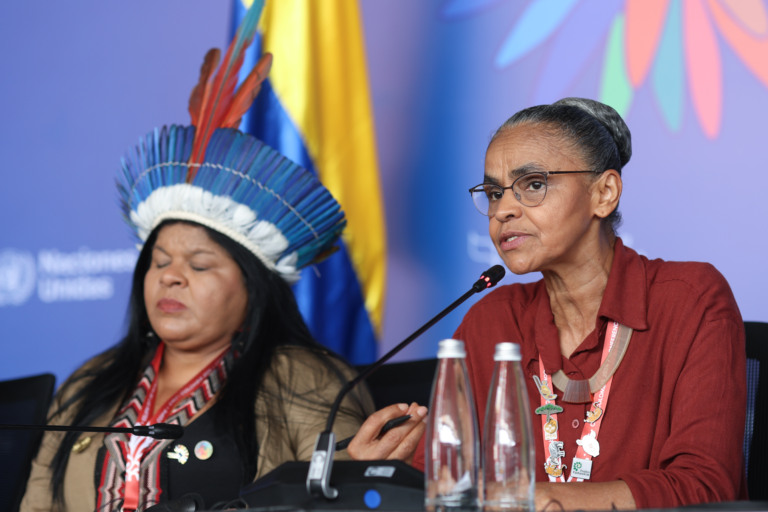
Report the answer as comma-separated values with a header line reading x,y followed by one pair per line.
x,y
421,411
403,407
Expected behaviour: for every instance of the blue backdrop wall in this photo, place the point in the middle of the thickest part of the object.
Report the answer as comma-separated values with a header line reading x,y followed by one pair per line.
x,y
83,80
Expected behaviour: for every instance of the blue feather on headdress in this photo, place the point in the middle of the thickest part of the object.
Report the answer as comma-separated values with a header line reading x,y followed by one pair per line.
x,y
215,175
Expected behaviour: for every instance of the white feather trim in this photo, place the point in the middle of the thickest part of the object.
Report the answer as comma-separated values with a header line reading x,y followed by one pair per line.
x,y
235,220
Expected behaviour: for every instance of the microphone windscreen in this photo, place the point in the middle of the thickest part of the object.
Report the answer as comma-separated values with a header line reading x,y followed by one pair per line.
x,y
494,274
166,431
489,278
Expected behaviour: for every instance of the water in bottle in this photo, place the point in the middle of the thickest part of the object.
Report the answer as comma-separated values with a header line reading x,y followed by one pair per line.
x,y
508,449
452,443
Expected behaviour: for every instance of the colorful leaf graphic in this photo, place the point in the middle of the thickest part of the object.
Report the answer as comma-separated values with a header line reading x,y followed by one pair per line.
x,y
668,75
537,23
751,14
615,89
645,19
704,67
675,41
588,24
752,50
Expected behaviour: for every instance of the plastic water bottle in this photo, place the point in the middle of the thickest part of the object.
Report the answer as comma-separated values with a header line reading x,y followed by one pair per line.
x,y
452,446
508,448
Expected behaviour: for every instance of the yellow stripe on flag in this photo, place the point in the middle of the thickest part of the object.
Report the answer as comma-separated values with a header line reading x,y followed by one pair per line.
x,y
320,76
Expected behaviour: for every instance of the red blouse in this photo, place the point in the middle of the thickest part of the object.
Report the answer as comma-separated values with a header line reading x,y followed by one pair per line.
x,y
674,424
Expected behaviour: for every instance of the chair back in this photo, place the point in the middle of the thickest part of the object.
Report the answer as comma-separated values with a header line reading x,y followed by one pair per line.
x,y
402,382
23,401
756,429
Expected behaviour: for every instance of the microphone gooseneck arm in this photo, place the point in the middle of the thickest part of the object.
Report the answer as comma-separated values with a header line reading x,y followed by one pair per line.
x,y
488,279
319,476
157,431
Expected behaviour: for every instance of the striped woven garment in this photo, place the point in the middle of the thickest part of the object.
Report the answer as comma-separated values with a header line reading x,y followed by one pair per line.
x,y
130,471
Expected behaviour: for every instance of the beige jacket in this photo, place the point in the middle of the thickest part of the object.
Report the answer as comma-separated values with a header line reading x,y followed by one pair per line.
x,y
295,392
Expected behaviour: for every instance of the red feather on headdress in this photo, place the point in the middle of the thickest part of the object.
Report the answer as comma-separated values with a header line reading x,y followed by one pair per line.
x,y
247,92
201,90
215,103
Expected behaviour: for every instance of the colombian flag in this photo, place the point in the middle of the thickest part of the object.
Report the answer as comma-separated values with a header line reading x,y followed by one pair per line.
x,y
315,108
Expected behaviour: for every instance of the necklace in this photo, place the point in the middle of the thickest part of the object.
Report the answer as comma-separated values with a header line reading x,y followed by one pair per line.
x,y
579,391
588,446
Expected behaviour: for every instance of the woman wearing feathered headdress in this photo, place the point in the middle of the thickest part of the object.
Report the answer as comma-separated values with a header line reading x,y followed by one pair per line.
x,y
215,342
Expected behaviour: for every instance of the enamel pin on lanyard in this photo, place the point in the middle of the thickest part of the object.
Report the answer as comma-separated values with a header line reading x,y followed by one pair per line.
x,y
588,445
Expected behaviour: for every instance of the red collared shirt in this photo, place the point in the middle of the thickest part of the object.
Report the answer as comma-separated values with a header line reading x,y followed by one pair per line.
x,y
673,429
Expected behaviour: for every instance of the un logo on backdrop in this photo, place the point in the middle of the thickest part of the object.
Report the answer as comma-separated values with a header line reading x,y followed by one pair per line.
x,y
17,277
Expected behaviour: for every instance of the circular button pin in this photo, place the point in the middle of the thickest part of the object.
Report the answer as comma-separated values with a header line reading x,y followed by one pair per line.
x,y
203,450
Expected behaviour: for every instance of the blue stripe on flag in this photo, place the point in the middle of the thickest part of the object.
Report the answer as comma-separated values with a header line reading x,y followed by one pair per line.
x,y
332,302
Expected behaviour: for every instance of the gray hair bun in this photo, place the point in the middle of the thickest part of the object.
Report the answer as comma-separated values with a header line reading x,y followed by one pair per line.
x,y
610,119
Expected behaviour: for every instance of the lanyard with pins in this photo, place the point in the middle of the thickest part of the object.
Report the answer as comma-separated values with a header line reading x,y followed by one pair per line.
x,y
588,446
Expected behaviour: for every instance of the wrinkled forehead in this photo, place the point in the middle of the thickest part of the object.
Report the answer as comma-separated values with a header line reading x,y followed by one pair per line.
x,y
530,147
546,136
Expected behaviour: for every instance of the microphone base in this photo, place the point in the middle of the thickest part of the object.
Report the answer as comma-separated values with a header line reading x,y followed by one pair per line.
x,y
362,485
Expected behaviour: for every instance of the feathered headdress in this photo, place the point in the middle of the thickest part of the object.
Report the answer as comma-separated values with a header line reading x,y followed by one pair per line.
x,y
217,176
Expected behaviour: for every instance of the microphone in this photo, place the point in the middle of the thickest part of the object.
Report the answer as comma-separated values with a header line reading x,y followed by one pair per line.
x,y
488,279
156,431
318,478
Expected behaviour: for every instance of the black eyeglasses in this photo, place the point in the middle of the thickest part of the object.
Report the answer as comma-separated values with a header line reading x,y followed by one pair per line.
x,y
529,189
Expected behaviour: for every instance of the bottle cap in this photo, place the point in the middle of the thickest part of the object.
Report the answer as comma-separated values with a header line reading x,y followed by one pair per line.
x,y
507,352
451,349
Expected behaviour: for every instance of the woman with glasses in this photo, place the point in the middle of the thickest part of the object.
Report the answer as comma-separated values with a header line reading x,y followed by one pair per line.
x,y
635,367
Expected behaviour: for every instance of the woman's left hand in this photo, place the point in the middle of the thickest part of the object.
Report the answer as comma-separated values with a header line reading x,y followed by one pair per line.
x,y
399,443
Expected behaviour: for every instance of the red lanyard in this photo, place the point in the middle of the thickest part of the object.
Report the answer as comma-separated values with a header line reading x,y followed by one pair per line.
x,y
137,446
588,447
